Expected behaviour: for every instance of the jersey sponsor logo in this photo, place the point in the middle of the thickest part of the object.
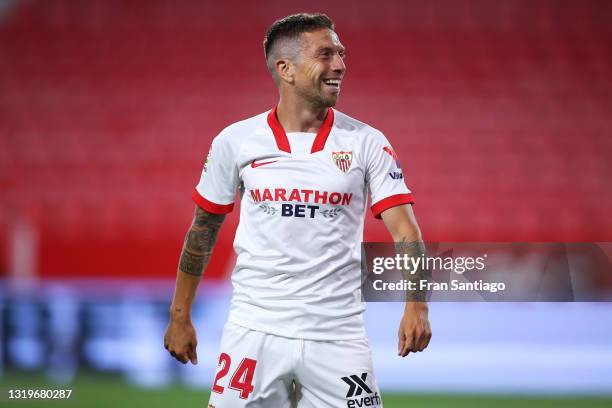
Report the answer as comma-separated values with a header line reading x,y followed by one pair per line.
x,y
268,209
342,160
255,165
300,210
389,150
396,175
301,196
331,213
266,198
358,386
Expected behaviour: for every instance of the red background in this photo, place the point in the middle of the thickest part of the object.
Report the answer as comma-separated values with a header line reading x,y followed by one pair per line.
x,y
500,113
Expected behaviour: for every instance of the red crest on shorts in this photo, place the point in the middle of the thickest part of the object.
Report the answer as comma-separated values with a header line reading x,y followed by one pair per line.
x,y
342,160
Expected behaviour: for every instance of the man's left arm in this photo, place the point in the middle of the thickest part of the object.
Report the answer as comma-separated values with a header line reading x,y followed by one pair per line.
x,y
414,330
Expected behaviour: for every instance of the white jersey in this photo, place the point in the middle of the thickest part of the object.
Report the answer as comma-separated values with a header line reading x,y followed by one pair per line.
x,y
302,208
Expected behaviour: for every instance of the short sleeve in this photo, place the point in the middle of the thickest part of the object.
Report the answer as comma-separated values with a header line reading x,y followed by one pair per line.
x,y
216,190
384,175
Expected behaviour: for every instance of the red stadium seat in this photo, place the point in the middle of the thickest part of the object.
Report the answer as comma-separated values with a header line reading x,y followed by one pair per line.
x,y
500,115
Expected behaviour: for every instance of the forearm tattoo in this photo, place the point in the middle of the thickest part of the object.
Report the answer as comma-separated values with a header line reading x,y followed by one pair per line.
x,y
199,241
415,249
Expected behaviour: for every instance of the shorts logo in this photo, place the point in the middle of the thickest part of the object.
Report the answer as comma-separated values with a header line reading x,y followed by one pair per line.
x,y
342,160
356,385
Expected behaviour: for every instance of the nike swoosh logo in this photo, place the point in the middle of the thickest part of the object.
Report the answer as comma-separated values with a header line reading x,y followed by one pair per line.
x,y
255,165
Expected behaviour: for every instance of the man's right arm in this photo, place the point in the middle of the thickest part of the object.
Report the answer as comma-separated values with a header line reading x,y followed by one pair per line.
x,y
180,338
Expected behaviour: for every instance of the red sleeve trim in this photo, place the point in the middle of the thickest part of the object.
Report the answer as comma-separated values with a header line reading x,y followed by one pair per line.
x,y
209,205
391,201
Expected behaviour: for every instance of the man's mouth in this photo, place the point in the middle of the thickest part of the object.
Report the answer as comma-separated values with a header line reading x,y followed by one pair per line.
x,y
332,82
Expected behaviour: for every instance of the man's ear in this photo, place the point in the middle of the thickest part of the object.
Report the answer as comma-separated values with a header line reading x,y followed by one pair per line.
x,y
285,70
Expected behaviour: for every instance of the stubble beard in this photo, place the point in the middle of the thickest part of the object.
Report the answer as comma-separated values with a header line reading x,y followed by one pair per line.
x,y
317,99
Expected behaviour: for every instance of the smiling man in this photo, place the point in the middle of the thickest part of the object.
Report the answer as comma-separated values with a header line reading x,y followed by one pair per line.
x,y
295,331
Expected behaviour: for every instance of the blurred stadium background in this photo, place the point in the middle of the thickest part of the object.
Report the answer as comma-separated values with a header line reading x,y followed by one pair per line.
x,y
501,113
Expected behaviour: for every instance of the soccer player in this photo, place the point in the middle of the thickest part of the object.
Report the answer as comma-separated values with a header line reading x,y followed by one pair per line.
x,y
295,332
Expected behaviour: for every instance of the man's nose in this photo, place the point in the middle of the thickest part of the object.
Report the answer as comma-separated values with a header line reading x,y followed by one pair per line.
x,y
338,65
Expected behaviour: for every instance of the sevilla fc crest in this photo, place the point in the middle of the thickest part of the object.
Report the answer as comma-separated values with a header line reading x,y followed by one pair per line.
x,y
342,160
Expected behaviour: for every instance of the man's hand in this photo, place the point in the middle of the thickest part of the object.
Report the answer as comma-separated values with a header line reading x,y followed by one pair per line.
x,y
414,331
180,340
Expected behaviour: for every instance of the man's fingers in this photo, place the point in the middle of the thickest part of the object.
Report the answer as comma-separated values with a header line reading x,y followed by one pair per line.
x,y
182,357
413,337
405,350
408,344
189,353
180,341
427,339
184,354
423,337
402,343
193,355
424,342
179,356
419,343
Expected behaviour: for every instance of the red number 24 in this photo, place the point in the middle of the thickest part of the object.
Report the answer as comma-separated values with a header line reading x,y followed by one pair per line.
x,y
242,379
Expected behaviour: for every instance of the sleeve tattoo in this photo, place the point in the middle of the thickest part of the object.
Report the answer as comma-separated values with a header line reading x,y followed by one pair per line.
x,y
415,249
199,241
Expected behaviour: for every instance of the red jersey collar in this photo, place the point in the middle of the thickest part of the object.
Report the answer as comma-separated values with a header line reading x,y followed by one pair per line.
x,y
281,137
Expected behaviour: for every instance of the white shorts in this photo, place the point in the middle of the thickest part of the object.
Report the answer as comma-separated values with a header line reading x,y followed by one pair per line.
x,y
257,369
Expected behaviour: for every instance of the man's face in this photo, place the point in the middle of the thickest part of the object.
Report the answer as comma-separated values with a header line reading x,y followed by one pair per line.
x,y
320,67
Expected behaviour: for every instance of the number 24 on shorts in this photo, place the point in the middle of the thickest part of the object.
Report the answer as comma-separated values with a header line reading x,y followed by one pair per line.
x,y
242,379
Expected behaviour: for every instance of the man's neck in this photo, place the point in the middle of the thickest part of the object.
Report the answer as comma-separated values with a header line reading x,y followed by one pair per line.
x,y
300,117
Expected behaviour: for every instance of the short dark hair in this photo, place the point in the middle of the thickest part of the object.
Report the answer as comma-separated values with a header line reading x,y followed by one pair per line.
x,y
294,25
